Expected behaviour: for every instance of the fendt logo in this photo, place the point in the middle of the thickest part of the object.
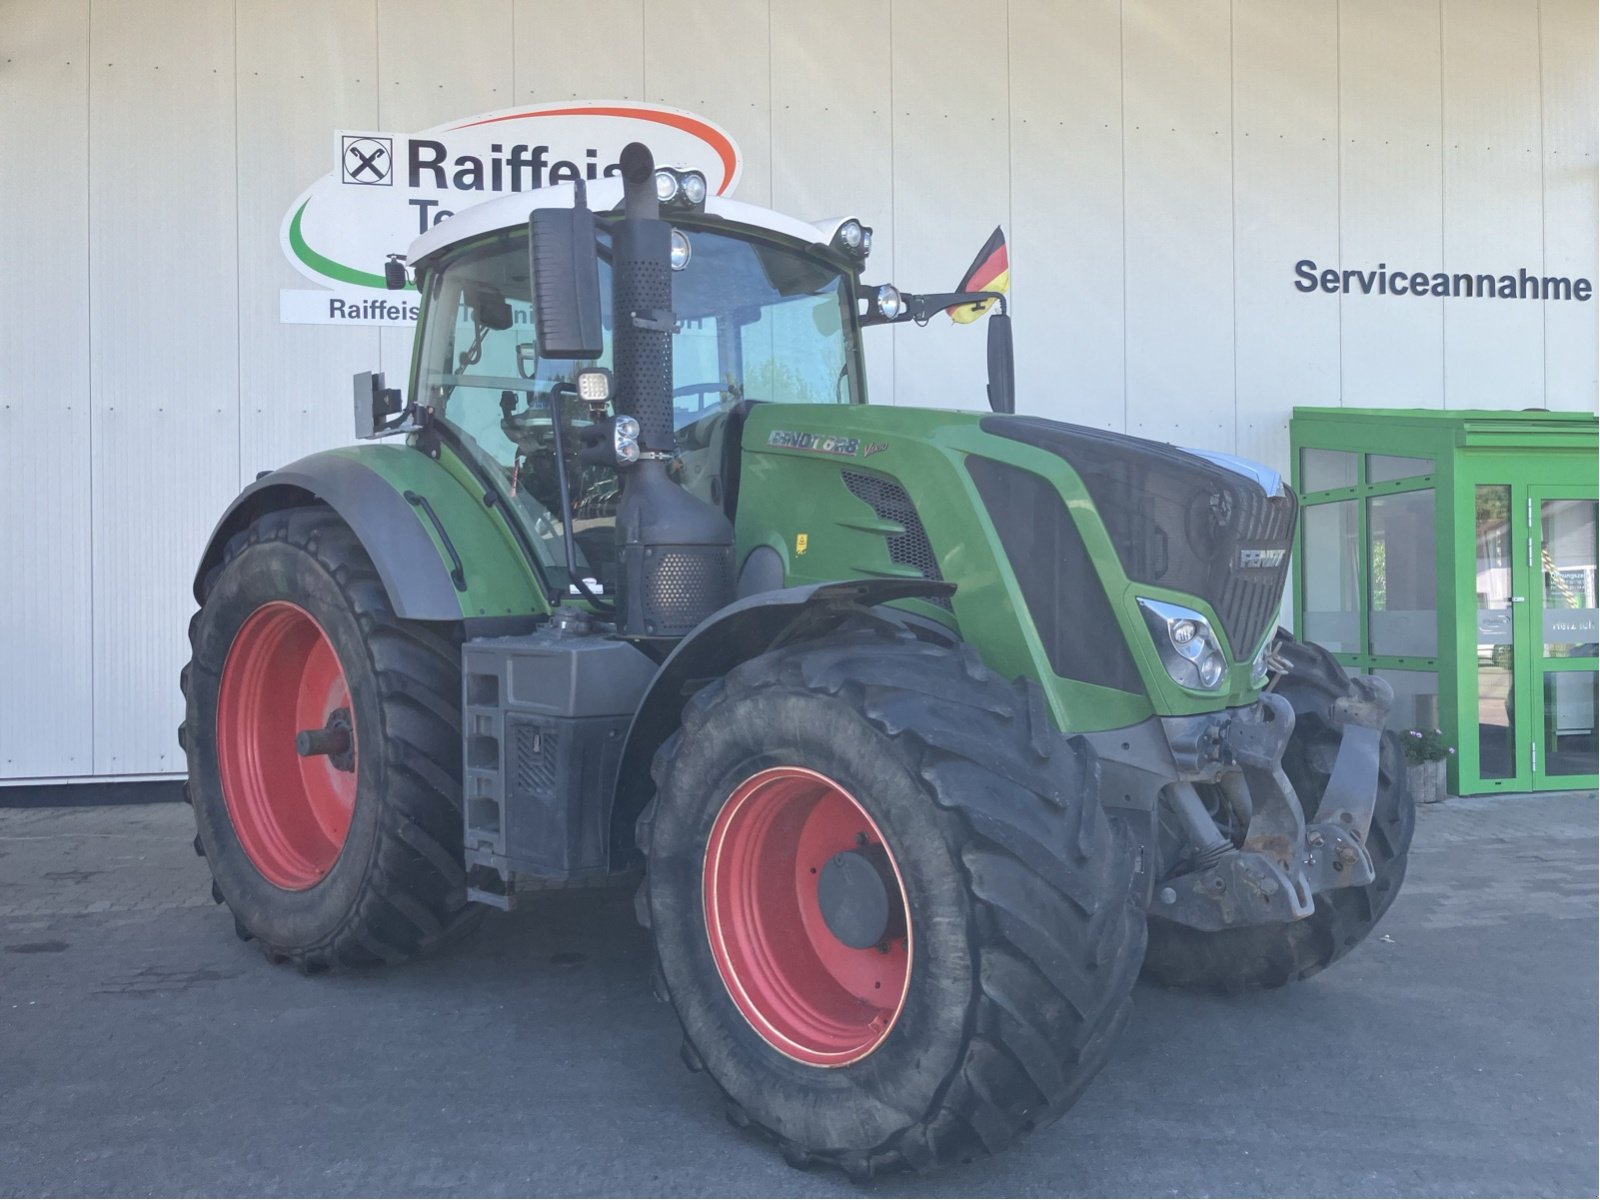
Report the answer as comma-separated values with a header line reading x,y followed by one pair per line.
x,y
386,188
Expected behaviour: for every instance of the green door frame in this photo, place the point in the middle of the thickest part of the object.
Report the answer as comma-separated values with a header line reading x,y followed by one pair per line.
x,y
1532,477
1548,454
1539,665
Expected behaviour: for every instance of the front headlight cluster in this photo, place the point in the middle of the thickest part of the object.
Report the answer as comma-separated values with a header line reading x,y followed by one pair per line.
x,y
1188,648
685,189
854,238
625,440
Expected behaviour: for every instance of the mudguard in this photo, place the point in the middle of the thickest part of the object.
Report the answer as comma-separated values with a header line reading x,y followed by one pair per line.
x,y
728,637
439,553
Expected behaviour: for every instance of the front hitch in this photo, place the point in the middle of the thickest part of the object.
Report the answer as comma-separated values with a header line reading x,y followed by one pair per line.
x,y
1283,861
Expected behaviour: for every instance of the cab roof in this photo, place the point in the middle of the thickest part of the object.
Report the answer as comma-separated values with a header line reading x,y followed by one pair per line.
x,y
511,211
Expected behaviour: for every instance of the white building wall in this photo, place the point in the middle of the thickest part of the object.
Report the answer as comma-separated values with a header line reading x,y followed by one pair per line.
x,y
1158,165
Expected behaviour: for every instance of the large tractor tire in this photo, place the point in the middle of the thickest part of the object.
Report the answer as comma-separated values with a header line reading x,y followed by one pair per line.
x,y
1267,956
893,918
324,744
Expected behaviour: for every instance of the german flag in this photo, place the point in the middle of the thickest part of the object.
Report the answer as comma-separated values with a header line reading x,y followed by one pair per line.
x,y
989,272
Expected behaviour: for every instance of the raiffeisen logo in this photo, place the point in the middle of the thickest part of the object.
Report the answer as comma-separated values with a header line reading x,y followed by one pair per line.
x,y
386,188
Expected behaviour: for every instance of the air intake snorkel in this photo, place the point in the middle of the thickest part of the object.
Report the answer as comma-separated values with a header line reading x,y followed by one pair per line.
x,y
675,551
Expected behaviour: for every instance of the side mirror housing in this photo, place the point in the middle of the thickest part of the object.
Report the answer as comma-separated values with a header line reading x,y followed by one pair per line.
x,y
565,272
378,409
1002,367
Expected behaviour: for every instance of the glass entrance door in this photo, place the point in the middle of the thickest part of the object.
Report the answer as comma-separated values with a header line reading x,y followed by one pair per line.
x,y
1563,638
1492,729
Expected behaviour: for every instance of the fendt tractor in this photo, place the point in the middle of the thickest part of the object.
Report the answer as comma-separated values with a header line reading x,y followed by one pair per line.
x,y
922,732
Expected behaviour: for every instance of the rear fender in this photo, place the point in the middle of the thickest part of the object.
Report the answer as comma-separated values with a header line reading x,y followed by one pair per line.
x,y
730,636
441,555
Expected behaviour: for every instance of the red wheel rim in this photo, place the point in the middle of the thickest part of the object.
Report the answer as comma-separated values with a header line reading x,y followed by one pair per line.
x,y
291,813
808,994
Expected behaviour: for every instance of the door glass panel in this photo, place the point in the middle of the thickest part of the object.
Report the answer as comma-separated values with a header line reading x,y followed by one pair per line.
x,y
1330,558
1324,469
1404,617
1567,558
1384,468
1569,723
1416,699
1496,724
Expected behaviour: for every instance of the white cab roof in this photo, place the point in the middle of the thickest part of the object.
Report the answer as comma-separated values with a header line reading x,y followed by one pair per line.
x,y
510,211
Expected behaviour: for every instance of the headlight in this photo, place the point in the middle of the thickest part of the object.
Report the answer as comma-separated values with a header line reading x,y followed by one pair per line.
x,y
890,303
625,439
680,250
850,235
1258,669
1188,648
694,188
666,185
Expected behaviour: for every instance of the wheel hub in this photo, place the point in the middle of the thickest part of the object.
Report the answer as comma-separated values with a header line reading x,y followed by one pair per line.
x,y
854,890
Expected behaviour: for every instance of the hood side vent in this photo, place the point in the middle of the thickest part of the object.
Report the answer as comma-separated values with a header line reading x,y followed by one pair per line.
x,y
889,502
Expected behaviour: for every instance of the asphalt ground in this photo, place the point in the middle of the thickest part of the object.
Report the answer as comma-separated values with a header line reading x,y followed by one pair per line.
x,y
145,1051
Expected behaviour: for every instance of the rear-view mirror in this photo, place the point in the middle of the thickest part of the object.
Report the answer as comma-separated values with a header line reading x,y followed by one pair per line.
x,y
565,273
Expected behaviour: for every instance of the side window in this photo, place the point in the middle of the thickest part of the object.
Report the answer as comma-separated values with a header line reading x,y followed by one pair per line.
x,y
793,353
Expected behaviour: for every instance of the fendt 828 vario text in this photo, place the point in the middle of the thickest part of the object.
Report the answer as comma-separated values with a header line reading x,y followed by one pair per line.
x,y
923,731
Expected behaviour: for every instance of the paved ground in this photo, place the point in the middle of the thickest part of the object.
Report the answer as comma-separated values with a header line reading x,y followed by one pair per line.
x,y
143,1050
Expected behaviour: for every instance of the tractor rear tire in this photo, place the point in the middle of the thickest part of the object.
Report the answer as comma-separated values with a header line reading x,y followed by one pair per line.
x,y
1229,961
351,856
986,1000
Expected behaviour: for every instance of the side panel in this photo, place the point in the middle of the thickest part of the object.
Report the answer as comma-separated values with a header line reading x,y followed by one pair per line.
x,y
163,328
46,586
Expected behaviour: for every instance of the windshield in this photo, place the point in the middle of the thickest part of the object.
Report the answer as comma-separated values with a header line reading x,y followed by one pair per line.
x,y
757,322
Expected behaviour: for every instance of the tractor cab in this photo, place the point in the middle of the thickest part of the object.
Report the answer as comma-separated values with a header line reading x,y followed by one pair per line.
x,y
763,311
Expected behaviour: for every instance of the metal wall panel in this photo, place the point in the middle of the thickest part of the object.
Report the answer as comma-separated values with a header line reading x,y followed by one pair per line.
x,y
951,182
1493,200
46,649
431,70
1390,189
588,51
1066,230
1567,36
831,126
1286,208
164,324
1159,167
1177,125
293,92
717,60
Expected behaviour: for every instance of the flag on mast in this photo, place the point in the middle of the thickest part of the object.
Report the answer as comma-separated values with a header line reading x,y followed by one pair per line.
x,y
989,272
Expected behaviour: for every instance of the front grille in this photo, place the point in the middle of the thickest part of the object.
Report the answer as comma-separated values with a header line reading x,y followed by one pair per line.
x,y
1178,520
888,500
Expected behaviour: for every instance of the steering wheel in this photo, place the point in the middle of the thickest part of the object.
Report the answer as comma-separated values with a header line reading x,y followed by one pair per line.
x,y
700,390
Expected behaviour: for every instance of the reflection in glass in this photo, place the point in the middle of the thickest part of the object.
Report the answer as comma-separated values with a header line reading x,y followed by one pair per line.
x,y
1416,698
1567,555
1403,619
1569,723
1385,468
1329,569
1496,722
1324,469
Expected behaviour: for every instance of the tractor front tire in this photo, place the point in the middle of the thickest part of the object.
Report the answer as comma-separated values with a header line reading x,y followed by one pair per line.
x,y
350,854
1229,961
895,922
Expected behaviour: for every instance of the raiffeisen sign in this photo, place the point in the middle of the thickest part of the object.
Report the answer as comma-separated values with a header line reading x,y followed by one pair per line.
x,y
386,188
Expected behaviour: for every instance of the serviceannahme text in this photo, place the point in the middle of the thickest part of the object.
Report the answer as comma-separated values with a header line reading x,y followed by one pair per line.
x,y
1381,281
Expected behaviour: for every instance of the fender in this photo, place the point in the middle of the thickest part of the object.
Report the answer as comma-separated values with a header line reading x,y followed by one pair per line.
x,y
370,494
730,636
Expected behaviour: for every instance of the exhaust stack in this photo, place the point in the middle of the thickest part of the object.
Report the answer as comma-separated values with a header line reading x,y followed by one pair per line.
x,y
675,551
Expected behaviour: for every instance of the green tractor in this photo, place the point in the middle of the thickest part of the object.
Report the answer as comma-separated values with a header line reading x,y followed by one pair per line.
x,y
923,731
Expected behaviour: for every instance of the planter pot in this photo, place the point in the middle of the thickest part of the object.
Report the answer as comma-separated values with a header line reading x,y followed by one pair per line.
x,y
1427,781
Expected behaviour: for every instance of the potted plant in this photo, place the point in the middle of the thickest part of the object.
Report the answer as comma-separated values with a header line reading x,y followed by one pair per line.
x,y
1426,751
